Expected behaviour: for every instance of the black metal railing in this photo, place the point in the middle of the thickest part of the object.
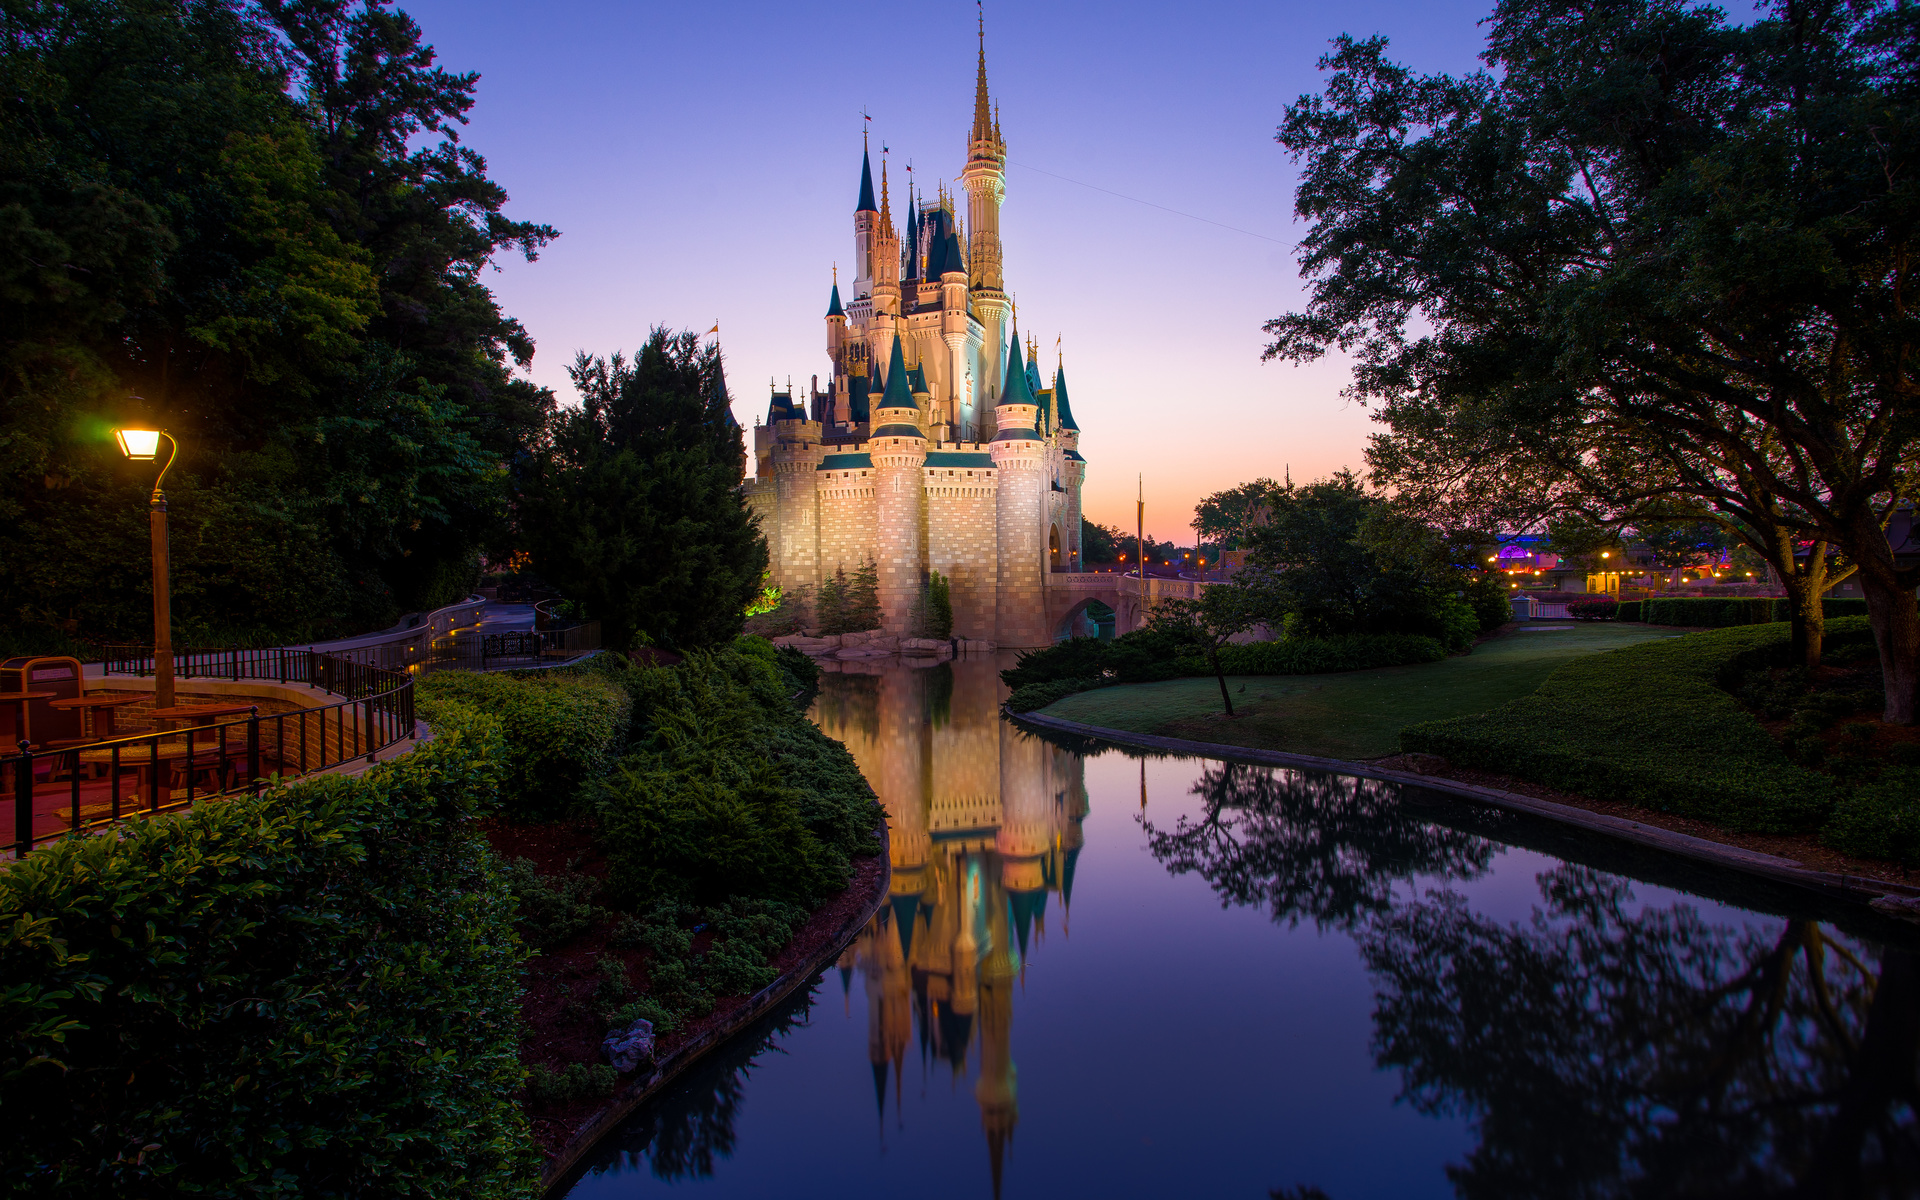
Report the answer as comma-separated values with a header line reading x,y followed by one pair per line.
x,y
58,791
338,670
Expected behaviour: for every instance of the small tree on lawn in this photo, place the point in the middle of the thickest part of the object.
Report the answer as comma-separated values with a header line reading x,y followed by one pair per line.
x,y
830,611
1222,612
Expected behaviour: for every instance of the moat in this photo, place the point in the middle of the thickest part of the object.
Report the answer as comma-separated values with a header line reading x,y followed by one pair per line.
x,y
1102,975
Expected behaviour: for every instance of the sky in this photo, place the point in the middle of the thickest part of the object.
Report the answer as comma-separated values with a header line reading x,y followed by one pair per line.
x,y
702,162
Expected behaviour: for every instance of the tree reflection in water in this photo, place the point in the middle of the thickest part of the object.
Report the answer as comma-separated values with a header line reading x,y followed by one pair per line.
x,y
1600,1049
1308,844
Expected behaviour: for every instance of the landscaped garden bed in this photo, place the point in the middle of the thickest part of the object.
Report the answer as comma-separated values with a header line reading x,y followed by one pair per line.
x,y
682,842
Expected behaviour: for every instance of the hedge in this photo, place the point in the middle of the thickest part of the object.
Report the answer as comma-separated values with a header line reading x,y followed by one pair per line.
x,y
563,730
314,993
1651,725
1718,612
1630,610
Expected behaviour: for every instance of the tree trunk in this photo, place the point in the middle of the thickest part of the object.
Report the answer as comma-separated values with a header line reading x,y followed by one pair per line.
x,y
1896,626
1213,660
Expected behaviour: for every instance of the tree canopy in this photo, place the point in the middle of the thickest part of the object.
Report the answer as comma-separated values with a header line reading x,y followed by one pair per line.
x,y
254,225
1649,256
631,502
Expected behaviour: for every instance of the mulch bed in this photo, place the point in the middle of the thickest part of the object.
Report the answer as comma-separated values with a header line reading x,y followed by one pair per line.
x,y
1804,848
560,1029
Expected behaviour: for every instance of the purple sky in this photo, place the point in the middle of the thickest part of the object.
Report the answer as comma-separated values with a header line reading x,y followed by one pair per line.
x,y
702,161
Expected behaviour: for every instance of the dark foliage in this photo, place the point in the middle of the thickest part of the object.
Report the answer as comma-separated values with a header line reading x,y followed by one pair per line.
x,y
632,504
251,225
315,993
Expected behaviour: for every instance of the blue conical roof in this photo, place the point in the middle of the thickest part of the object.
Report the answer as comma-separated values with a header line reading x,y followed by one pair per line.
x,y
866,185
1060,398
897,394
833,304
1016,390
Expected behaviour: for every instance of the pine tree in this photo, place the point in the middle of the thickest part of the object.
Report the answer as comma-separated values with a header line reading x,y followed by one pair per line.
x,y
863,598
939,607
830,610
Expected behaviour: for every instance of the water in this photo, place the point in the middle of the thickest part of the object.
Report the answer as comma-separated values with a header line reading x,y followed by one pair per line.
x,y
1110,976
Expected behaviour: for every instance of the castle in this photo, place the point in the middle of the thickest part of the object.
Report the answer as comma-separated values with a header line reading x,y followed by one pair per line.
x,y
934,446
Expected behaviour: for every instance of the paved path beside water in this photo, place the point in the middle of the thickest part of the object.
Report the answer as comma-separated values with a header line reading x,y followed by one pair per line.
x,y
1354,714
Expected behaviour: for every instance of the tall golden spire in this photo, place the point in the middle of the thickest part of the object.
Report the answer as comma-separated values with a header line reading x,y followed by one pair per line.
x,y
983,123
886,212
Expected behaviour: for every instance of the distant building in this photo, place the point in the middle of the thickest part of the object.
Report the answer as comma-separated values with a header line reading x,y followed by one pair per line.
x,y
934,446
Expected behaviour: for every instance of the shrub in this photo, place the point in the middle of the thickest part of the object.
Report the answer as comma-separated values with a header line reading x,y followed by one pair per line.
x,y
575,1081
1652,724
1830,607
563,730
312,993
1593,610
1880,819
553,909
1146,657
729,790
1039,695
1630,610
1323,656
1709,612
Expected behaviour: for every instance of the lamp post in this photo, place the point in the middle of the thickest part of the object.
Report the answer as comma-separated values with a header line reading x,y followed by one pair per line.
x,y
143,445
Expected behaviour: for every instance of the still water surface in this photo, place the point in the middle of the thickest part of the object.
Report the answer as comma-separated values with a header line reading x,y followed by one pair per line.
x,y
1102,975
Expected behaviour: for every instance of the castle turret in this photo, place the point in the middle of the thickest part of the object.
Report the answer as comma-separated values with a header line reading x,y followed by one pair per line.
x,y
866,220
898,449
794,547
1019,455
1074,467
985,179
886,274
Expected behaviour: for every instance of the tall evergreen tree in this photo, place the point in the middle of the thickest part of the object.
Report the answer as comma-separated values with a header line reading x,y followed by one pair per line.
x,y
632,504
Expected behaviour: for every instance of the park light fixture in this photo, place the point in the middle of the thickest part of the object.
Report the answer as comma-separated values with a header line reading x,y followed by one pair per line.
x,y
143,445
1606,554
140,445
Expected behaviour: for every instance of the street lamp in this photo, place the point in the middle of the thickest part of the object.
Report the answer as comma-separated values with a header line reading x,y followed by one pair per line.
x,y
143,445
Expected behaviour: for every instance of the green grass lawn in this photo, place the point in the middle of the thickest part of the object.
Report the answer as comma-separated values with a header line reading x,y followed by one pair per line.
x,y
1356,714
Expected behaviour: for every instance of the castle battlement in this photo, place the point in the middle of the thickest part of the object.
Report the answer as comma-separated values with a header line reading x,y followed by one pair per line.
x,y
933,445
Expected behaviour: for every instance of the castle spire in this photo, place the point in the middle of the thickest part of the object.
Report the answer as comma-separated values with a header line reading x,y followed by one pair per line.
x,y
1017,389
866,179
886,211
897,395
983,124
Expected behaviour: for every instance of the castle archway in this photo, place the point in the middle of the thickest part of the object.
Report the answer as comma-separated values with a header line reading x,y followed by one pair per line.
x,y
1053,549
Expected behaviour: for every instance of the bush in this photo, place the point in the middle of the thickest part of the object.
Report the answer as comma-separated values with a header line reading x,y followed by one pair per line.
x,y
552,909
1039,695
1881,819
312,993
575,1081
1325,656
1593,610
1035,685
1630,610
1491,599
563,730
1710,612
1829,608
1651,724
729,790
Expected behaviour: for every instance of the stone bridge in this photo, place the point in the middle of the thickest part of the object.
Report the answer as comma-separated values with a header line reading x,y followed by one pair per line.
x,y
1069,593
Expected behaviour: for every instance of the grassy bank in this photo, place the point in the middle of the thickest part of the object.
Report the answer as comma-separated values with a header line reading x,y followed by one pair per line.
x,y
1356,714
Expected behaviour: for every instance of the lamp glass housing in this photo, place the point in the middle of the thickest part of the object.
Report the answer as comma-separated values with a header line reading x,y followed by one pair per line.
x,y
140,445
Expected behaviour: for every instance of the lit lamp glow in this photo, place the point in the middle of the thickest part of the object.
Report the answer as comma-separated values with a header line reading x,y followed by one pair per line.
x,y
143,445
140,445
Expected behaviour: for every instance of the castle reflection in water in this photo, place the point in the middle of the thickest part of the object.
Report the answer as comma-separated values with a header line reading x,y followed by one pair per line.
x,y
985,826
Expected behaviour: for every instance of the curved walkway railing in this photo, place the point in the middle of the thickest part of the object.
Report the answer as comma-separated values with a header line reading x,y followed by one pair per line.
x,y
53,792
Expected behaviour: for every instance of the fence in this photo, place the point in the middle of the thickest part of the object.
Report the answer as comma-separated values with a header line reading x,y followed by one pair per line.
x,y
55,792
1526,608
471,652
